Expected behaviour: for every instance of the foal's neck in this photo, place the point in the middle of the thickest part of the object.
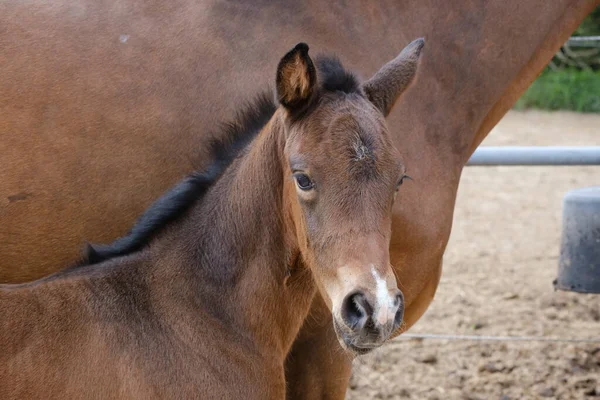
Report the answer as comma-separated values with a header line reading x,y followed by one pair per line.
x,y
242,251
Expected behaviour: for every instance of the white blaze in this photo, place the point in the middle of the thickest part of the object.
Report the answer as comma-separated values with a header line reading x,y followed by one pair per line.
x,y
385,303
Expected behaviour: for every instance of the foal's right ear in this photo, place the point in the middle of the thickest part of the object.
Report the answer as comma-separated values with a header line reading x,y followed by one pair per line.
x,y
296,78
384,88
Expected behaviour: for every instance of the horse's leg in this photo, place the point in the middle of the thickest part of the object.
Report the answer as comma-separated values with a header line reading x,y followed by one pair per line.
x,y
316,367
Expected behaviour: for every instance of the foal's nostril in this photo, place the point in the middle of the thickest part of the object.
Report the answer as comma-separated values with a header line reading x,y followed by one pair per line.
x,y
399,299
399,302
356,310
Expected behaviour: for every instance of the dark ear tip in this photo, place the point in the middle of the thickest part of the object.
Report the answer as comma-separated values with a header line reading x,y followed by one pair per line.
x,y
301,47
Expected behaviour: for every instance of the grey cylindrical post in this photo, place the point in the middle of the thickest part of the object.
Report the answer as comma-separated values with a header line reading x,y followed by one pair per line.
x,y
579,264
535,155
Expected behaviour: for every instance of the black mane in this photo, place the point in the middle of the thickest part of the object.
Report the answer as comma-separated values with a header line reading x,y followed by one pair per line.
x,y
177,200
236,136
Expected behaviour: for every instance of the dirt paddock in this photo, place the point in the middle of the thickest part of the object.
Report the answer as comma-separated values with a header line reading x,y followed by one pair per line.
x,y
497,280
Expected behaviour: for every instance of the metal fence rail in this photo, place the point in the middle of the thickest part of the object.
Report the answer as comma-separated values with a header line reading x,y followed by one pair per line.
x,y
534,155
584,41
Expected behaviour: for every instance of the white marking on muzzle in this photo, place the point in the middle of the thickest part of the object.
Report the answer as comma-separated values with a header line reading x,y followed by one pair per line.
x,y
385,303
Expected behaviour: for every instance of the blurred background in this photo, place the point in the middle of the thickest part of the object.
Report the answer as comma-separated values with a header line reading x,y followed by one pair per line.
x,y
501,260
571,81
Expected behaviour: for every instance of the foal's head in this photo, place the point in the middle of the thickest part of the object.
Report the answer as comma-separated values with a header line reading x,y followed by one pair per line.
x,y
344,175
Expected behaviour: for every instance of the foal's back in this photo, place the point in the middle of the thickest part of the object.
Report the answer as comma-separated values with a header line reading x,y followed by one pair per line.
x,y
114,330
54,340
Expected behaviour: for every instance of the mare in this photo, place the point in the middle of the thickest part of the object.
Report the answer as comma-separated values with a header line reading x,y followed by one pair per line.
x,y
298,201
103,107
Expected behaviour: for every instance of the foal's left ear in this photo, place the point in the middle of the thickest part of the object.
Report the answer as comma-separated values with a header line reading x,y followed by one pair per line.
x,y
384,88
296,78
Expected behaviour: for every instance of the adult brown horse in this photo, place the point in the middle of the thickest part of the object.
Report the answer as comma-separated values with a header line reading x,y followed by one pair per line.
x,y
106,104
210,307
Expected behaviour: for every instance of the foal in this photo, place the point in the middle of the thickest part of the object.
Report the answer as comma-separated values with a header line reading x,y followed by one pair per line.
x,y
211,304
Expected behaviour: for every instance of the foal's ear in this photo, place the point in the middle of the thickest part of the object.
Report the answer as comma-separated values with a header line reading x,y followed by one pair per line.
x,y
296,78
384,88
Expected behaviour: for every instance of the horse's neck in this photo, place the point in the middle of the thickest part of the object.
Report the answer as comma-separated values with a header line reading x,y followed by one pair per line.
x,y
240,247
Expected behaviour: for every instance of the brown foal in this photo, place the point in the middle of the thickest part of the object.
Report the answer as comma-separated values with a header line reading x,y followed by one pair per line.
x,y
101,111
206,295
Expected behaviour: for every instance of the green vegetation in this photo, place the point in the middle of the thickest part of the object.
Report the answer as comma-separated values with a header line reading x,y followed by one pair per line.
x,y
572,79
590,25
567,89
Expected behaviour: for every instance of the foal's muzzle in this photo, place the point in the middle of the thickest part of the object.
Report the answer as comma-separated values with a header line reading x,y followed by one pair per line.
x,y
366,324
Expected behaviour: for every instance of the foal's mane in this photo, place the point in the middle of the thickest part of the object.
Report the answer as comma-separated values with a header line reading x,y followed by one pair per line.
x,y
176,201
235,136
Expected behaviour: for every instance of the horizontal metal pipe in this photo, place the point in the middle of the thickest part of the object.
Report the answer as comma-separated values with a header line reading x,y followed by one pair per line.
x,y
575,39
534,155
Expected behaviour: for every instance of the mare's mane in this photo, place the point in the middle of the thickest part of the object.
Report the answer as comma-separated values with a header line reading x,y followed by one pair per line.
x,y
235,137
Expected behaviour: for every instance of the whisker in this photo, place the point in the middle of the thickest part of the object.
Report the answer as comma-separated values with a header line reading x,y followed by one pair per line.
x,y
400,285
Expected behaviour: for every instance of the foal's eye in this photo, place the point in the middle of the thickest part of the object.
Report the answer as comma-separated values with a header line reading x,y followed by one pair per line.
x,y
399,183
402,181
303,181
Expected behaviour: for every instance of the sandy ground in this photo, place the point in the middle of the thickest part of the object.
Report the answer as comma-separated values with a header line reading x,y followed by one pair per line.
x,y
497,280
